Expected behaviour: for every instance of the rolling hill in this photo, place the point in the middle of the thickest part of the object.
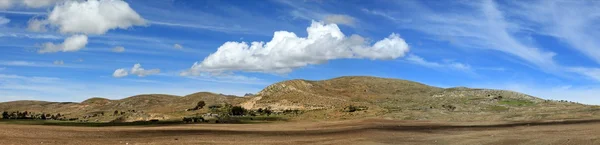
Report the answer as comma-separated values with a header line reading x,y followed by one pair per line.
x,y
340,98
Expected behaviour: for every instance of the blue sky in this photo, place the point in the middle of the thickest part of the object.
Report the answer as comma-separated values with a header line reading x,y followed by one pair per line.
x,y
63,50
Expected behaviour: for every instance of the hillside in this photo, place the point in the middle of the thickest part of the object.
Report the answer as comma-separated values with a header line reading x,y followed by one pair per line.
x,y
339,98
407,100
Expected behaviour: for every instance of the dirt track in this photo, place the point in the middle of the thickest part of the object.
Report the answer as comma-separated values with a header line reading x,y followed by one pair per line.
x,y
347,132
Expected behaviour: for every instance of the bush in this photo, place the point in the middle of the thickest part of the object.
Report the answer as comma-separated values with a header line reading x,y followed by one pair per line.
x,y
200,105
291,111
352,108
214,106
196,119
259,111
268,111
5,115
237,111
449,107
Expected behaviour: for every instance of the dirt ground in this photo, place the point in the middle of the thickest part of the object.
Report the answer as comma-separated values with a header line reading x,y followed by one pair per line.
x,y
343,132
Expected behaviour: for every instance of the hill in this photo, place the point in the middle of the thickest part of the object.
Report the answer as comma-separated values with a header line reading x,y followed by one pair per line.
x,y
334,99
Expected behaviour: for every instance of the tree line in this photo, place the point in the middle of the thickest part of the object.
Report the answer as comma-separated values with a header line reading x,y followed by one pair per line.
x,y
31,115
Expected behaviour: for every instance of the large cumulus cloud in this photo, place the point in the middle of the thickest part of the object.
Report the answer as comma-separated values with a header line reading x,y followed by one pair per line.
x,y
287,51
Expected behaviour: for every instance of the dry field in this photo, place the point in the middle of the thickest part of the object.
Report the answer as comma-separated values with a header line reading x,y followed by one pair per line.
x,y
331,132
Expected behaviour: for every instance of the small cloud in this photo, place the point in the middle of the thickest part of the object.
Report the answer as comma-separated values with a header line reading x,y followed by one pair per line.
x,y
18,63
73,43
339,19
4,20
120,73
80,60
177,46
2,68
135,70
448,64
58,62
118,49
141,72
37,25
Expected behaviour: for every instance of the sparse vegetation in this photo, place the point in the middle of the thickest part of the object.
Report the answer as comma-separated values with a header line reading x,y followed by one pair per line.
x,y
516,102
449,107
196,119
497,108
352,108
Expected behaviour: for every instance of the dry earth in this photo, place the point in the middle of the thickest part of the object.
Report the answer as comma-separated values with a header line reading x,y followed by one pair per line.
x,y
330,132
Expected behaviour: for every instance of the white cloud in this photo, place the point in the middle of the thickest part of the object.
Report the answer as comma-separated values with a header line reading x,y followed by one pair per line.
x,y
40,3
58,62
80,60
287,51
6,4
573,22
53,64
135,70
6,77
30,36
118,49
452,65
120,73
509,28
339,19
141,72
592,73
36,64
91,17
479,25
18,63
37,25
73,43
177,46
4,20
378,13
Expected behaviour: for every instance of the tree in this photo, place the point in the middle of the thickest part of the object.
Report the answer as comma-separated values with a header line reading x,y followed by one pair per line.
x,y
200,105
237,111
268,111
116,113
5,115
43,116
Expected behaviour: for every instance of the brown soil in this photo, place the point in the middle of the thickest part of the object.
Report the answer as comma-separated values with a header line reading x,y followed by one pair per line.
x,y
330,132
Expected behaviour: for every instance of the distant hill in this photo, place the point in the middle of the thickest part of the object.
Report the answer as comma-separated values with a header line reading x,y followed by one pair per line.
x,y
339,98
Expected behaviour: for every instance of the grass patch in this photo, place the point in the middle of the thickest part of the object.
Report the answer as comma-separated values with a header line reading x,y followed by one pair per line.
x,y
516,102
498,108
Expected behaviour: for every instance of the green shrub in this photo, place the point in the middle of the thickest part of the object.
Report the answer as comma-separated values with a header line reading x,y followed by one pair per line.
x,y
237,111
352,108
